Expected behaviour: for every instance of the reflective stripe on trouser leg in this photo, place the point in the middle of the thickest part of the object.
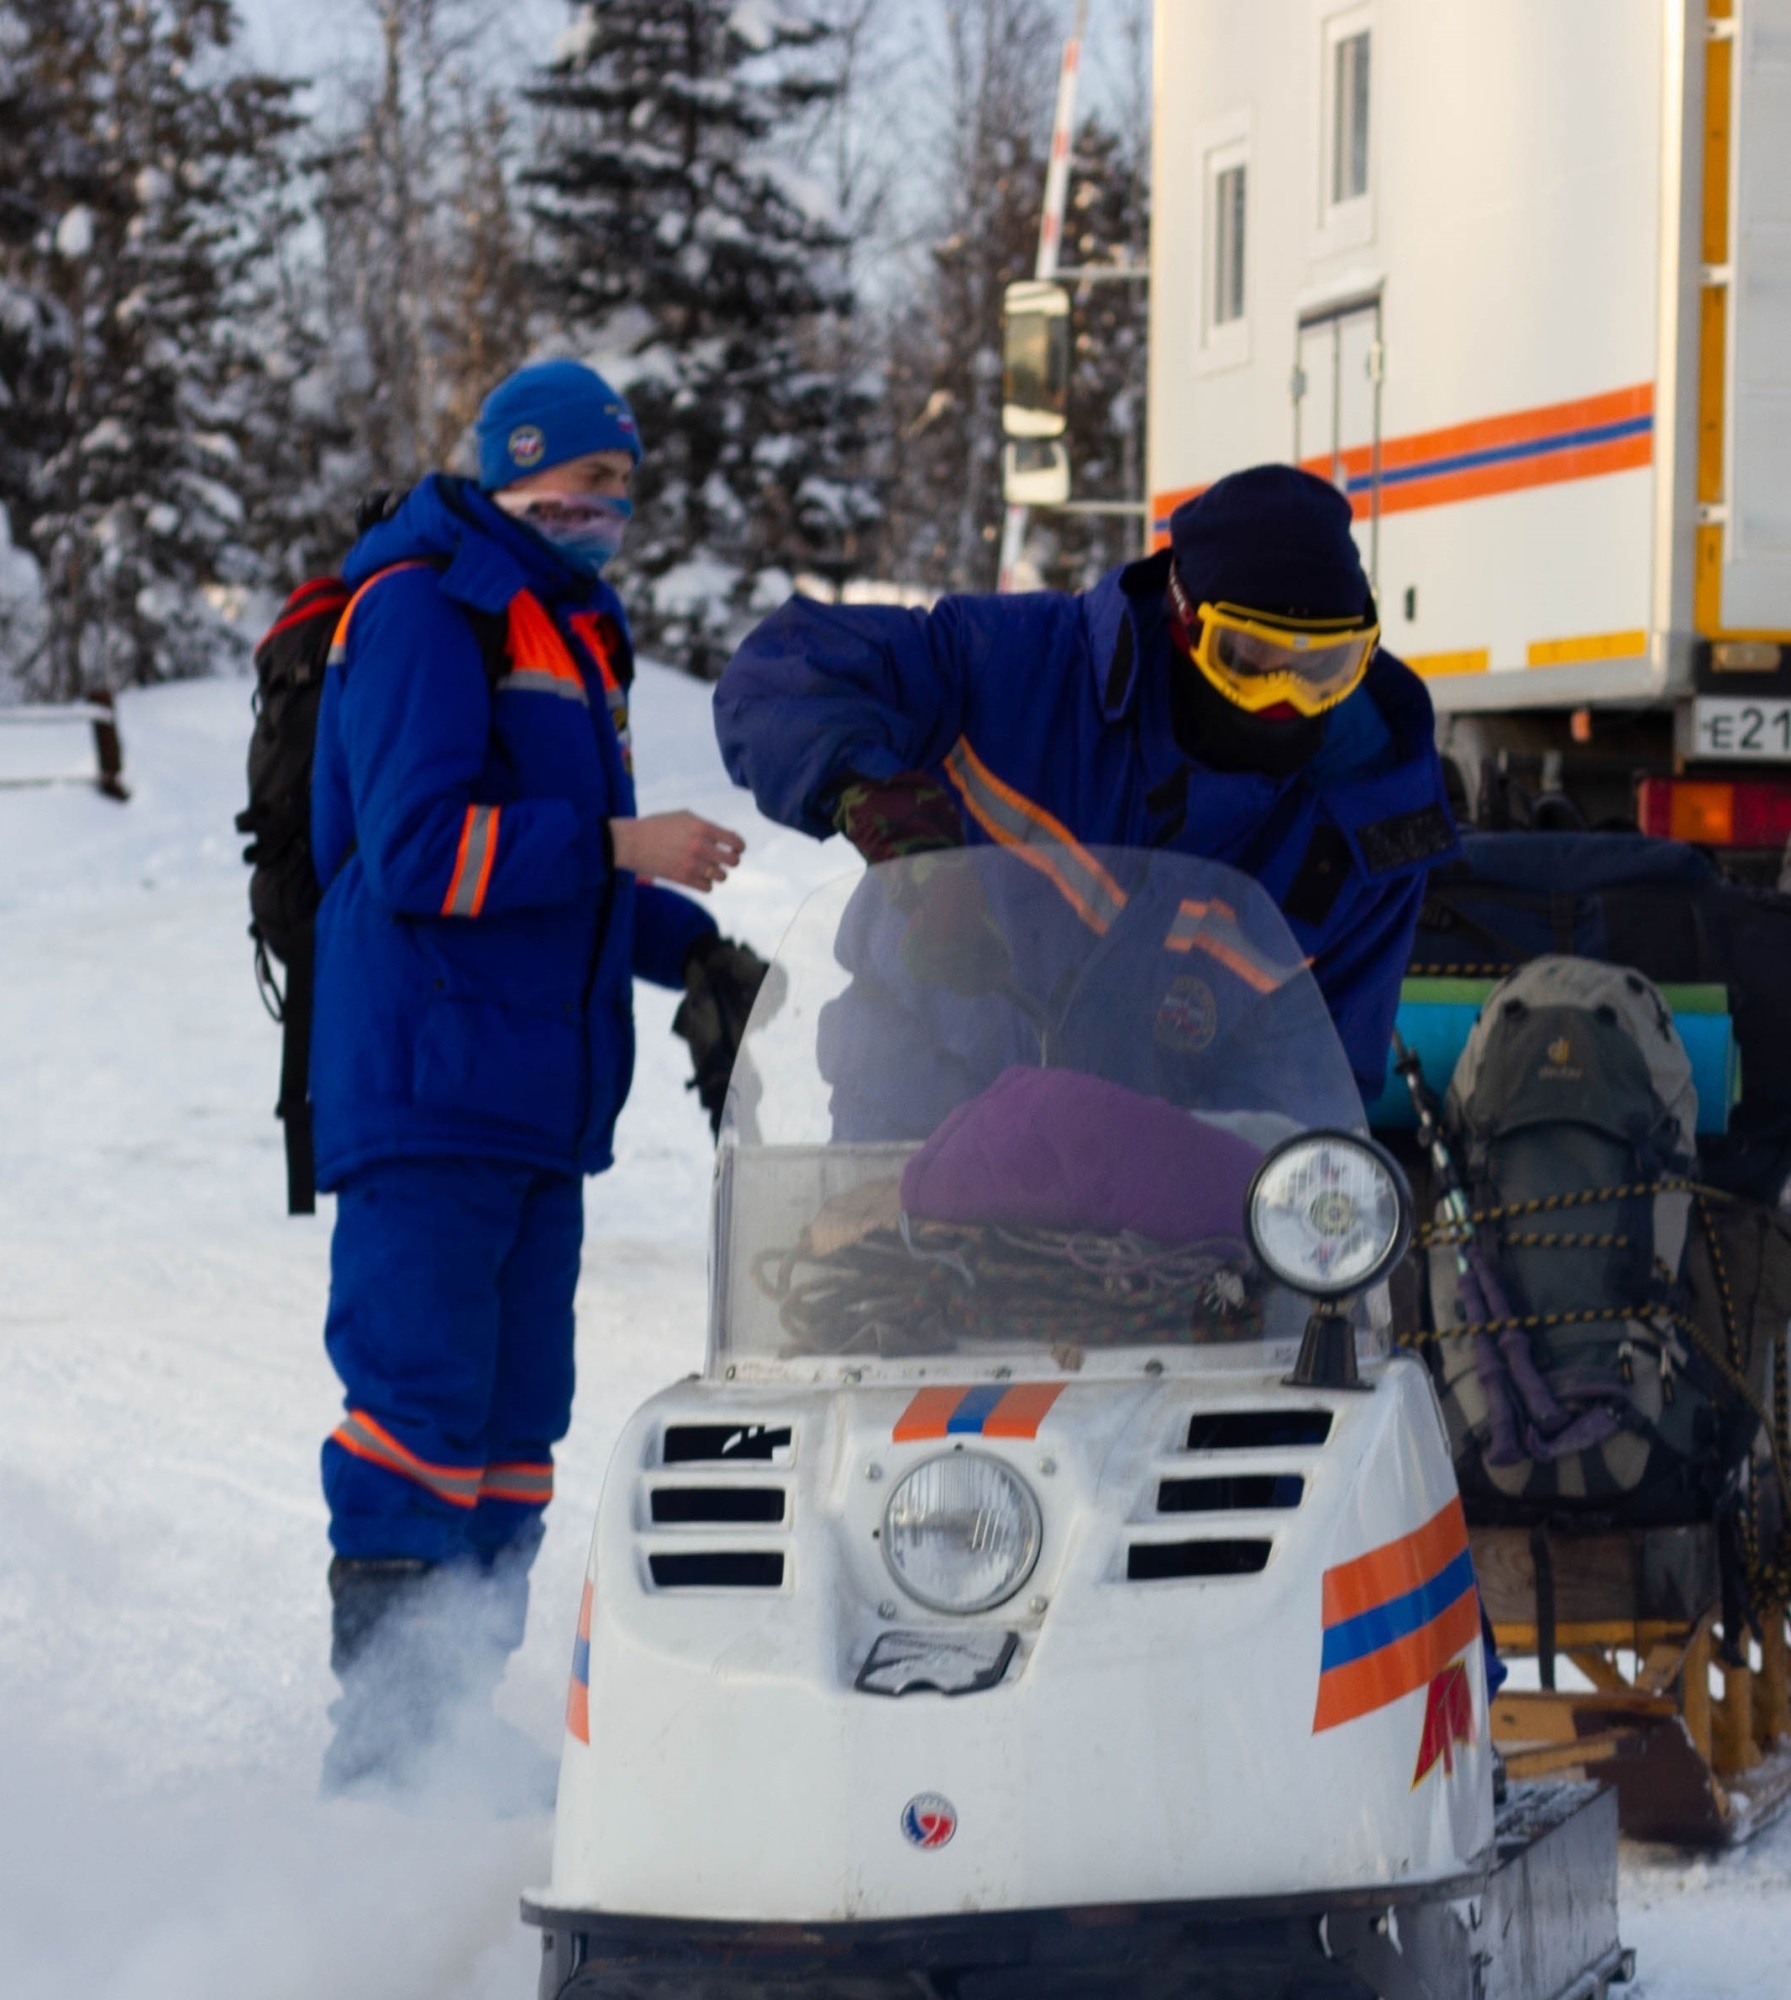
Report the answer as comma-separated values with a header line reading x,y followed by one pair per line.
x,y
450,1327
528,1485
458,1485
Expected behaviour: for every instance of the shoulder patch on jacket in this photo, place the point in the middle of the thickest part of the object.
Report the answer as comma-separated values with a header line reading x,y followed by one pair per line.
x,y
1405,840
1322,872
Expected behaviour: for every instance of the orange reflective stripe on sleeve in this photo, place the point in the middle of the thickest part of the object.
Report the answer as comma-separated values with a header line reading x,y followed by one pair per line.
x,y
528,1485
1212,927
458,1485
1041,840
339,642
473,862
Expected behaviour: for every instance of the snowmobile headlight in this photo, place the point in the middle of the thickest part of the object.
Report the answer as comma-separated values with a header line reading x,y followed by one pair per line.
x,y
1329,1214
961,1532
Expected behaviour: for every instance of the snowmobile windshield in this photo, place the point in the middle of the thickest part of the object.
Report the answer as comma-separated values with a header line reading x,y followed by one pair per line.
x,y
1004,1103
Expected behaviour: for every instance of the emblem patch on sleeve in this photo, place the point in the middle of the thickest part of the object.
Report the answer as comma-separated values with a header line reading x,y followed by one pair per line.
x,y
1405,840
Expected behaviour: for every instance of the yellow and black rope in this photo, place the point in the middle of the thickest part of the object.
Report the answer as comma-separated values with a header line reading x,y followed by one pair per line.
x,y
1768,1580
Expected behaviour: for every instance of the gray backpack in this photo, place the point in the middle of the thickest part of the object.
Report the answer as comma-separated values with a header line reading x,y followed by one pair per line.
x,y
1577,1382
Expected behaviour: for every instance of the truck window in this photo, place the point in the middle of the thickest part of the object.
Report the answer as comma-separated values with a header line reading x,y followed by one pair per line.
x,y
1349,116
1229,197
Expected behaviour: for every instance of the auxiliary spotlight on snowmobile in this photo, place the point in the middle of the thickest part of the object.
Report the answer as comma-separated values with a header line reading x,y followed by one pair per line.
x,y
1052,1585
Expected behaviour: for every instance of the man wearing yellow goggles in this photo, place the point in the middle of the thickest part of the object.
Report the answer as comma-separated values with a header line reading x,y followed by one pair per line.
x,y
1267,664
1225,697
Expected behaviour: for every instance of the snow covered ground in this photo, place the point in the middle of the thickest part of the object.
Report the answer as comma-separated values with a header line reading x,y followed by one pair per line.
x,y
163,1390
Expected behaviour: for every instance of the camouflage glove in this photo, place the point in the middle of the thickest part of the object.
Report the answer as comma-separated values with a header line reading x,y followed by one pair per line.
x,y
952,939
888,818
721,981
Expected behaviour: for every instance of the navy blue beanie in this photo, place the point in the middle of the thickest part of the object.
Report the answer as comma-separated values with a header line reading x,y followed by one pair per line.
x,y
547,413
1271,539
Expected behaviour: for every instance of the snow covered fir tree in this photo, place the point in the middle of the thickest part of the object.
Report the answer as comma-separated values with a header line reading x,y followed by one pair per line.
x,y
143,178
700,271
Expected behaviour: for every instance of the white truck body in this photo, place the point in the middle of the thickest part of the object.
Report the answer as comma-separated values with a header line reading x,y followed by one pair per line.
x,y
1531,308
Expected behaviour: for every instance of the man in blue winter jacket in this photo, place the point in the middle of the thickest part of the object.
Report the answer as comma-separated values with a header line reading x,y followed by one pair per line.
x,y
485,913
1226,697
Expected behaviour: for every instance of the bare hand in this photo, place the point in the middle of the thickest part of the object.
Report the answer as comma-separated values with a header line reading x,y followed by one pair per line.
x,y
679,847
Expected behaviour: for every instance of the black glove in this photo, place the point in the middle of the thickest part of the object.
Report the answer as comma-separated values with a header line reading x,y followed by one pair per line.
x,y
721,981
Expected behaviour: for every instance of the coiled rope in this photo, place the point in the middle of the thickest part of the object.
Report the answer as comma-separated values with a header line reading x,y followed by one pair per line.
x,y
928,1286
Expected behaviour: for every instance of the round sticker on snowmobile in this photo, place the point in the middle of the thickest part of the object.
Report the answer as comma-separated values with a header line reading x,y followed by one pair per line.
x,y
1188,1016
526,444
929,1820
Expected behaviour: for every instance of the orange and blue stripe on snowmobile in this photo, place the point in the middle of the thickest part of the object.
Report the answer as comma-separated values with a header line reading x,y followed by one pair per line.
x,y
1395,1618
578,1695
991,1409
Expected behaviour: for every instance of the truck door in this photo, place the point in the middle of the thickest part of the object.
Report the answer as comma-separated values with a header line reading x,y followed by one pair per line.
x,y
1756,585
1336,387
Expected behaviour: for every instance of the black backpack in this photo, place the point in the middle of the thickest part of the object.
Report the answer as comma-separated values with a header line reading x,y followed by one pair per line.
x,y
283,889
1570,1105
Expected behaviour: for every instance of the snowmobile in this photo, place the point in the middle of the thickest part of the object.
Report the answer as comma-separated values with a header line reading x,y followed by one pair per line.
x,y
1054,1583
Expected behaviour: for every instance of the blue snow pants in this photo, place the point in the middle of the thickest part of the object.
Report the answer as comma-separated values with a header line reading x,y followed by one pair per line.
x,y
450,1324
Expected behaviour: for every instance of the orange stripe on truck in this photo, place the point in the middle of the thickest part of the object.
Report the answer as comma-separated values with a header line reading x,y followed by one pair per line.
x,y
1582,438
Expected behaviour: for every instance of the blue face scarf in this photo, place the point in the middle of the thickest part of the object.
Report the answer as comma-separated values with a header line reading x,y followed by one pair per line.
x,y
586,528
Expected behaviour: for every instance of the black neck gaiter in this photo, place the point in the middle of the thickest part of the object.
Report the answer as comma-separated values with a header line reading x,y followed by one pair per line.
x,y
1217,733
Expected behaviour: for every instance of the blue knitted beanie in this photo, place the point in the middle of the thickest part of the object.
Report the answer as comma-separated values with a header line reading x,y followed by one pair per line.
x,y
1272,539
547,413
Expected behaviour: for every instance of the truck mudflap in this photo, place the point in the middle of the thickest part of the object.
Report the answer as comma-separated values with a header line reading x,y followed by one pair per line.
x,y
1538,1923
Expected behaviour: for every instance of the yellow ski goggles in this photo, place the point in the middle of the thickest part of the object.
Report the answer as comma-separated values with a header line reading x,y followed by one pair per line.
x,y
1259,661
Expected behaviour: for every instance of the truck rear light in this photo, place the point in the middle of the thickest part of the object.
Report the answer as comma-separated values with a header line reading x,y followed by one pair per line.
x,y
1709,814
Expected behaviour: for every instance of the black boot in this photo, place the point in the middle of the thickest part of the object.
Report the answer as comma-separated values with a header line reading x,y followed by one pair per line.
x,y
419,1649
505,1767
390,1651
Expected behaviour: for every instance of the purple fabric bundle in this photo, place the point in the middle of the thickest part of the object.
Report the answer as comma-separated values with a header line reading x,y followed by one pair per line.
x,y
1054,1149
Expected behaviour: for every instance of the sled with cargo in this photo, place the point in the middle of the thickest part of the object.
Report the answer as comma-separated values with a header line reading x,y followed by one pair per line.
x,y
1055,1582
1657,1625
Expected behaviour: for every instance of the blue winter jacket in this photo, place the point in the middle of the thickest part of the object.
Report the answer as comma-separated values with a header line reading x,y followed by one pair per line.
x,y
509,1033
1064,701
